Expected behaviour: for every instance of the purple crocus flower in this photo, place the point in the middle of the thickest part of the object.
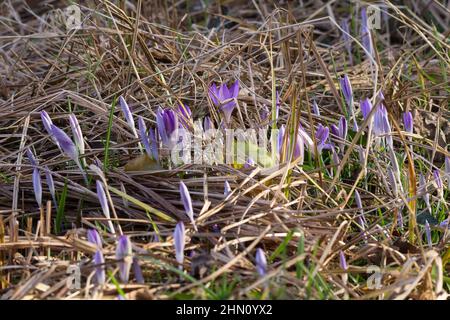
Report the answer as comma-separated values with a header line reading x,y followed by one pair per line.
x,y
144,137
128,115
343,261
179,237
347,40
261,262
77,133
281,132
167,122
50,184
99,262
47,121
342,128
104,204
124,256
187,203
227,189
428,234
94,237
37,186
138,271
366,107
346,88
225,98
66,144
408,122
365,33
322,134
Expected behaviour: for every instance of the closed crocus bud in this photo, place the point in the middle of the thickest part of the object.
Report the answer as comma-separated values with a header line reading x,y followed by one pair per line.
x,y
315,108
31,157
47,122
179,238
138,271
94,237
37,186
124,256
408,122
99,262
366,37
366,107
144,137
346,88
280,138
187,203
342,128
154,143
261,262
227,189
343,261
66,144
104,204
322,134
128,115
51,185
77,134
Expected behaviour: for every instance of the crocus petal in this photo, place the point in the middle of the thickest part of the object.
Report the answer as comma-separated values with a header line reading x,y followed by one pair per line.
x,y
50,184
208,124
179,240
37,186
104,204
437,179
315,108
227,189
77,133
346,88
47,122
128,115
342,128
261,262
365,106
124,255
66,144
187,202
343,261
99,261
154,143
94,237
408,121
214,94
144,137
138,271
31,157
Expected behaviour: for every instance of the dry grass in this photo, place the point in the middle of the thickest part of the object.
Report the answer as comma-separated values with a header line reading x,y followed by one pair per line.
x,y
167,52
